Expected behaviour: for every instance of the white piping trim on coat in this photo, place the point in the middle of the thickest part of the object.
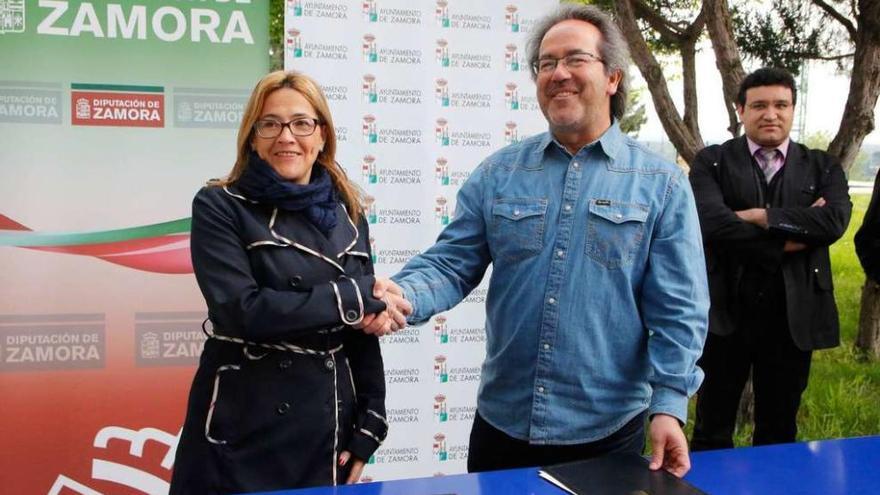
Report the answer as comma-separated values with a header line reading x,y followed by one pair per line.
x,y
360,300
239,196
370,434
298,245
353,227
351,377
265,243
214,402
291,243
379,416
281,346
333,463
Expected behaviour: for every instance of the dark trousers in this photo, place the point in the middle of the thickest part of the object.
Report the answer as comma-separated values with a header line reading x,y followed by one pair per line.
x,y
780,372
491,449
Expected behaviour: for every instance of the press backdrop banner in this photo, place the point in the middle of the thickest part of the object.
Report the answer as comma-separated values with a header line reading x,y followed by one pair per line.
x,y
421,92
112,115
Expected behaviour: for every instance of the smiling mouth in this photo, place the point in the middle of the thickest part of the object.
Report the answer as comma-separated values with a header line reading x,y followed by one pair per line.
x,y
562,94
287,154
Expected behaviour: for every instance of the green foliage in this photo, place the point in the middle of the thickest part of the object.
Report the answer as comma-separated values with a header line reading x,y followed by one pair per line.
x,y
859,169
276,34
816,140
635,116
786,35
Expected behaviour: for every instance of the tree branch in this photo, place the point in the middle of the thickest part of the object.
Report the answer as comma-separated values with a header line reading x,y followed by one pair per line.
x,y
657,22
810,56
726,56
850,28
686,143
857,120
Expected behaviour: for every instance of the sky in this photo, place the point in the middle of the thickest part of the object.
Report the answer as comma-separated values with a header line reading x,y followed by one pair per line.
x,y
823,100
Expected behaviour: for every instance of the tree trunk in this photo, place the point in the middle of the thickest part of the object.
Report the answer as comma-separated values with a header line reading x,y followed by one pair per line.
x,y
746,412
688,65
864,87
868,338
726,56
686,143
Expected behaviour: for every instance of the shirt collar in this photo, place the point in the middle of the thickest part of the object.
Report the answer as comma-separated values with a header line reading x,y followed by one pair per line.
x,y
753,147
609,142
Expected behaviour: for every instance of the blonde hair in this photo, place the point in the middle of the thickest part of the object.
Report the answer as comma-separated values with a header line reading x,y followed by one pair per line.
x,y
307,87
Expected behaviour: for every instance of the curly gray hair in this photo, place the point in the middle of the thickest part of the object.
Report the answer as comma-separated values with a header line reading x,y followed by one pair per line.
x,y
613,48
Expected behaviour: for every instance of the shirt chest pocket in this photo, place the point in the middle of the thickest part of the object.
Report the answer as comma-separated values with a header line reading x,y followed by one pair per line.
x,y
615,231
517,228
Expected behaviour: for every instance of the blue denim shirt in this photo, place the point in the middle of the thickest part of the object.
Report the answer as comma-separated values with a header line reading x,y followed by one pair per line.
x,y
597,305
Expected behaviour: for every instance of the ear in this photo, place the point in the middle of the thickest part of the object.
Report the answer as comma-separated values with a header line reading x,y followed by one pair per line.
x,y
739,111
613,82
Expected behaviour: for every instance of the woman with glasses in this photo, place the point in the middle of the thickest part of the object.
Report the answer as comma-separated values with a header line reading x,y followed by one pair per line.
x,y
289,392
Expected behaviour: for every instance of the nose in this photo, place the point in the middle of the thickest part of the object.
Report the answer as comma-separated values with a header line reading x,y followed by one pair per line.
x,y
286,135
560,72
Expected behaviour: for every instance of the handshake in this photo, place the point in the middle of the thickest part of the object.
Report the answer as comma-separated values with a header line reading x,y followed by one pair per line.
x,y
397,308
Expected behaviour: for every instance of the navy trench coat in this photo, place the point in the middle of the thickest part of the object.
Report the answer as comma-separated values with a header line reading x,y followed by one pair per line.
x,y
285,384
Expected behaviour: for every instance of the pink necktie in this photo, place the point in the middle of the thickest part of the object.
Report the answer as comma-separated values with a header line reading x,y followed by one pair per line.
x,y
767,160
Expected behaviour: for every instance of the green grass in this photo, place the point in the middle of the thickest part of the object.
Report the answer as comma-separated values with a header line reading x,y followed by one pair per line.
x,y
843,396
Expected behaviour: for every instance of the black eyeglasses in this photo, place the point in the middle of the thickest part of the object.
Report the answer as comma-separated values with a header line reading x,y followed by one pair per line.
x,y
573,61
271,128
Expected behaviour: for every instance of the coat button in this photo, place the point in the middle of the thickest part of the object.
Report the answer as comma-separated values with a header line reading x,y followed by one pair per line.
x,y
329,363
284,364
295,281
283,408
351,315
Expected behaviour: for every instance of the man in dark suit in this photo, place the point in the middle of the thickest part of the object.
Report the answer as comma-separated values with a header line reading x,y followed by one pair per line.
x,y
769,208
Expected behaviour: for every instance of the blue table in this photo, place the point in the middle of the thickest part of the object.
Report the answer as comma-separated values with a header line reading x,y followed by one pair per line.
x,y
830,467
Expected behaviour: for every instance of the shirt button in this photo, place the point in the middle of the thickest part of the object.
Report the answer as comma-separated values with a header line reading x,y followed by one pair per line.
x,y
516,213
540,390
295,281
618,216
560,253
546,347
576,165
329,363
283,408
284,364
351,315
552,300
815,270
567,207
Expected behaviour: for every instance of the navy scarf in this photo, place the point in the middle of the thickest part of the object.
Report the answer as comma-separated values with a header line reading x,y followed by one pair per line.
x,y
316,200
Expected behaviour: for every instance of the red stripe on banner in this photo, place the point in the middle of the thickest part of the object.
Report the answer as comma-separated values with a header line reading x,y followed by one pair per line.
x,y
176,261
7,223
112,248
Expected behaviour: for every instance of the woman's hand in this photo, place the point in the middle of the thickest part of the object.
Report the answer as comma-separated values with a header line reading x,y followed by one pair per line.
x,y
357,467
394,316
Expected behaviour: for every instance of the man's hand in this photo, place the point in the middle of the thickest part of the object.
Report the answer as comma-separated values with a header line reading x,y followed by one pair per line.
x,y
394,316
754,216
357,467
794,246
758,216
669,449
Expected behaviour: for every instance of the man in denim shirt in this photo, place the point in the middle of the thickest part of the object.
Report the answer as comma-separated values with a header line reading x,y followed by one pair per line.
x,y
597,303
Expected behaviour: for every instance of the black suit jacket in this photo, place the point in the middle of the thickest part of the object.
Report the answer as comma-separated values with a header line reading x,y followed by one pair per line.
x,y
726,179
867,239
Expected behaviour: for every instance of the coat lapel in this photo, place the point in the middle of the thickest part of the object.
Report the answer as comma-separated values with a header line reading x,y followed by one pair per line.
x,y
748,177
343,236
794,177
